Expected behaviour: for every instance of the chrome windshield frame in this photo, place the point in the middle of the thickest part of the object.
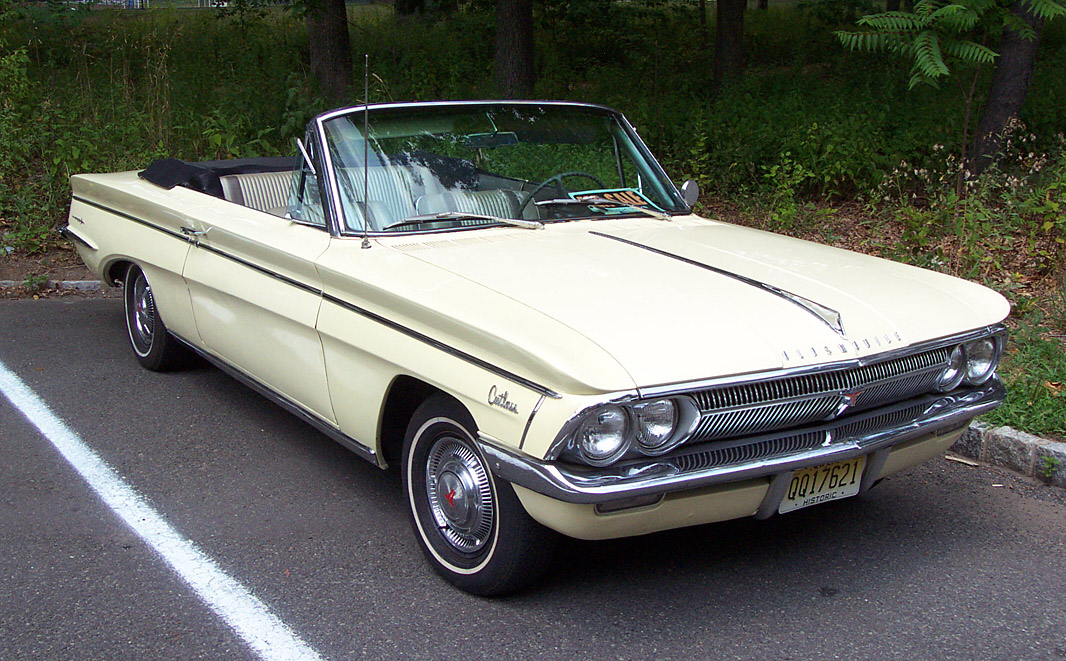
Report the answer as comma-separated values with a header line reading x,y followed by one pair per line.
x,y
335,215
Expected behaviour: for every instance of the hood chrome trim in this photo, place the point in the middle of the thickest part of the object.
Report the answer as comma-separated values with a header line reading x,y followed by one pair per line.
x,y
825,314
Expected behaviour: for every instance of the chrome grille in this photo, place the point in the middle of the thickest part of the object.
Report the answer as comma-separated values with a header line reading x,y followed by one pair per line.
x,y
764,406
774,448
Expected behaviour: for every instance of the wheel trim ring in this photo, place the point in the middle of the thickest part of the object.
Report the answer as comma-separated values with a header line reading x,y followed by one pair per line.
x,y
141,314
459,494
144,310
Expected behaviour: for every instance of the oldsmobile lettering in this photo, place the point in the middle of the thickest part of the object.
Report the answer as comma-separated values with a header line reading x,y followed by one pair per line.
x,y
500,400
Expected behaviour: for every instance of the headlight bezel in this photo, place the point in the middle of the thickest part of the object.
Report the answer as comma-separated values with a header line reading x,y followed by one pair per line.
x,y
637,436
987,348
993,345
595,417
954,372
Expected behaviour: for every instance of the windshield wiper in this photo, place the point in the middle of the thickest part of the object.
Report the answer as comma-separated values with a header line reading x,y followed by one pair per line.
x,y
603,201
462,215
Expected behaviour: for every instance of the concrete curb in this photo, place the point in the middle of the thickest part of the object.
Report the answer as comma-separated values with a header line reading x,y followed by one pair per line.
x,y
1009,448
66,285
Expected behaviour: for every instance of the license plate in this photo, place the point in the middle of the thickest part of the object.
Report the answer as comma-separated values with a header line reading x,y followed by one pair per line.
x,y
820,484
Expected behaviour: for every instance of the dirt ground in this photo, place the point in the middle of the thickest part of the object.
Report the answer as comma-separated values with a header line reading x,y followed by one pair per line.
x,y
30,273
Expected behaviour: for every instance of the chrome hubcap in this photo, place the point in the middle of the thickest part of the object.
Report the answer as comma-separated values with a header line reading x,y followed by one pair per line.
x,y
143,310
459,493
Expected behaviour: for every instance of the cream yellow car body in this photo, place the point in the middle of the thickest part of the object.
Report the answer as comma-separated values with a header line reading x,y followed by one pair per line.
x,y
538,324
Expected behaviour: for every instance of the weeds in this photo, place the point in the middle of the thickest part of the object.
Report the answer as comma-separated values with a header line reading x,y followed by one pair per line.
x,y
35,283
1048,466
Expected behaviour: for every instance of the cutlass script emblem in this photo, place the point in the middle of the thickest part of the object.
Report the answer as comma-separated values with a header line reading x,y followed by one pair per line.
x,y
499,399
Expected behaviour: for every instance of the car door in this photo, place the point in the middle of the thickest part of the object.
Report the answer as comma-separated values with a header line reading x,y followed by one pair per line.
x,y
256,296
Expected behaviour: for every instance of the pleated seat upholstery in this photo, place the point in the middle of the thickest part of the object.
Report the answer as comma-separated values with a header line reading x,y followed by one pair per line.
x,y
392,192
265,191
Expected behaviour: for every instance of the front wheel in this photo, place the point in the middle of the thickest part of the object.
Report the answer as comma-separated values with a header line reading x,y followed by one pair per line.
x,y
155,349
472,530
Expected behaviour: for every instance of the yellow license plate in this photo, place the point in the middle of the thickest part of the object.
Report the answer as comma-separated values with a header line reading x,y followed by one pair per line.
x,y
820,484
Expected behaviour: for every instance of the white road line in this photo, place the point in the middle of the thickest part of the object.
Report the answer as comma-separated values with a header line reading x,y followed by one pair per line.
x,y
268,636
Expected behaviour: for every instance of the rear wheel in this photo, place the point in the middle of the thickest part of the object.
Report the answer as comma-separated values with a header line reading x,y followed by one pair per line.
x,y
154,347
472,529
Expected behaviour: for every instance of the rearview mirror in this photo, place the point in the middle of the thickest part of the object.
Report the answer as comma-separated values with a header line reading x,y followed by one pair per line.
x,y
497,139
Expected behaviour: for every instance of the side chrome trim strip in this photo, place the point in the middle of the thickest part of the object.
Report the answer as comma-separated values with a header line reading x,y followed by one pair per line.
x,y
71,235
825,314
573,484
499,371
261,269
269,393
139,221
529,422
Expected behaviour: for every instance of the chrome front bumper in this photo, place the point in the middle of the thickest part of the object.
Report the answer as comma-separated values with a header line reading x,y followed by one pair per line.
x,y
871,433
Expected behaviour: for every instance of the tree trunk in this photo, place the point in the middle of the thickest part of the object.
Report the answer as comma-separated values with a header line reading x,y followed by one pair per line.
x,y
514,48
703,23
330,48
1010,83
728,43
407,7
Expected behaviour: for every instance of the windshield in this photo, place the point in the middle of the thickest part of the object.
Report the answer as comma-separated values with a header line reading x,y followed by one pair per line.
x,y
443,167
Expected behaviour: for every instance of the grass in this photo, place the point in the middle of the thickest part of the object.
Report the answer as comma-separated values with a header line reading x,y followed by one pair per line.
x,y
1033,370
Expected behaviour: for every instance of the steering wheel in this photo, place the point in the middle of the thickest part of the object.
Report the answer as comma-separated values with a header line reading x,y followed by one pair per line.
x,y
559,179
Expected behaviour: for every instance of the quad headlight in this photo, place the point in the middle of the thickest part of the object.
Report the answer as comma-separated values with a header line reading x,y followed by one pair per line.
x,y
604,435
952,375
652,427
656,424
971,362
982,357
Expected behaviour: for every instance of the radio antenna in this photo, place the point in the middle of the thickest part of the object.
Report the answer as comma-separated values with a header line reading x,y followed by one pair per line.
x,y
366,148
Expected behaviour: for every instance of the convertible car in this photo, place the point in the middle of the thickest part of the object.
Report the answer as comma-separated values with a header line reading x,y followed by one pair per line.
x,y
513,303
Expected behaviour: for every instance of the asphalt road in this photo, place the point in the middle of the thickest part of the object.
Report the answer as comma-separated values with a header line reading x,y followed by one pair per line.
x,y
944,561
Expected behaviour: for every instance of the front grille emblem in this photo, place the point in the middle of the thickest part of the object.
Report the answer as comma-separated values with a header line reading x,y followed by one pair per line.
x,y
847,400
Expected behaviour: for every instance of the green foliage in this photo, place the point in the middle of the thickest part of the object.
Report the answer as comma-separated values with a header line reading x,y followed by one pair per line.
x,y
1048,466
1034,369
35,283
936,33
1014,205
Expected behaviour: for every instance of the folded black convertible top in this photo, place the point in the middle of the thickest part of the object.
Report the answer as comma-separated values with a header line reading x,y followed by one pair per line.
x,y
204,176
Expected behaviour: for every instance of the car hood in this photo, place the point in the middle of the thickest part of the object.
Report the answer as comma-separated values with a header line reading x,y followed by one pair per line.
x,y
690,299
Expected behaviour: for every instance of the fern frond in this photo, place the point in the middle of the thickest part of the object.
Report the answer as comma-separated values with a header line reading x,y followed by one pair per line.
x,y
925,8
927,56
872,41
955,17
918,78
968,51
978,6
1046,9
1014,23
893,21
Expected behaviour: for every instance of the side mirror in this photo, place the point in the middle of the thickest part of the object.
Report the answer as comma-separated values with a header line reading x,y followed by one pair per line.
x,y
690,192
